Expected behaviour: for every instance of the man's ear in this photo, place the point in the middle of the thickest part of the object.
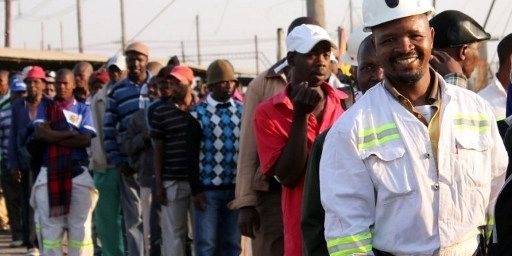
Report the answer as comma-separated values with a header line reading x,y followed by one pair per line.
x,y
290,57
432,34
462,52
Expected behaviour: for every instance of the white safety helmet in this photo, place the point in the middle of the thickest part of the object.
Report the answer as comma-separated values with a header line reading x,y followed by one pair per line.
x,y
376,12
354,41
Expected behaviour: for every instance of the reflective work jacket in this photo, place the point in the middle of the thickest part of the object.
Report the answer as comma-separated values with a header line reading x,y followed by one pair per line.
x,y
382,188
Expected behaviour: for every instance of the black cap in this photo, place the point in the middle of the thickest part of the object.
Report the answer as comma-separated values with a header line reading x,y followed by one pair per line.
x,y
454,28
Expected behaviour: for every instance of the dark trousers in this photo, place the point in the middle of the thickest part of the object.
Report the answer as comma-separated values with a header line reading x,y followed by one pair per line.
x,y
27,213
12,190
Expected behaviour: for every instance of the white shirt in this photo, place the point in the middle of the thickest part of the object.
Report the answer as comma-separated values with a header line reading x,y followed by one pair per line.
x,y
495,94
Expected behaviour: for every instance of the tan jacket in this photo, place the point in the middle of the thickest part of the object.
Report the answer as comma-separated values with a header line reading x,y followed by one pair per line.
x,y
98,161
249,180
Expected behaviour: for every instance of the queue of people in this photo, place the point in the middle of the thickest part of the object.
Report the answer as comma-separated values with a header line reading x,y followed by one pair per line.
x,y
129,159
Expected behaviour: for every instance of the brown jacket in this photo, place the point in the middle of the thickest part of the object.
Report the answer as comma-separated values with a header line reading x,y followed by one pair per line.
x,y
249,180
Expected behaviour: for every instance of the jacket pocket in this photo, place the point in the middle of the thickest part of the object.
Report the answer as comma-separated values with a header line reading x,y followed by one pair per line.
x,y
389,169
470,162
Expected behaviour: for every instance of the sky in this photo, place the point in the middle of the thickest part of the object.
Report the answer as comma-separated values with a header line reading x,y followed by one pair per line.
x,y
227,27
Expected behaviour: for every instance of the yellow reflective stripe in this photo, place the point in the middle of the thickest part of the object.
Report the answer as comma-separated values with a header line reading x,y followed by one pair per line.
x,y
471,117
379,141
349,239
361,249
52,244
379,129
80,244
488,228
474,128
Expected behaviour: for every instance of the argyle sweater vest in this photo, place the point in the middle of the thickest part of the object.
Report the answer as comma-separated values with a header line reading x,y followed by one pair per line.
x,y
219,145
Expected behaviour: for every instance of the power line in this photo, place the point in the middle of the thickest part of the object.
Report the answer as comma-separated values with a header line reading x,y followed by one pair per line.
x,y
153,19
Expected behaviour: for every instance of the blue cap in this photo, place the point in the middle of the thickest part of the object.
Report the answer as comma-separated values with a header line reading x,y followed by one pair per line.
x,y
18,86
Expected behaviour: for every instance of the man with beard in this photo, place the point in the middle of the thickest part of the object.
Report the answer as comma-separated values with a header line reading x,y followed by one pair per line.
x,y
287,124
415,166
177,137
122,101
82,71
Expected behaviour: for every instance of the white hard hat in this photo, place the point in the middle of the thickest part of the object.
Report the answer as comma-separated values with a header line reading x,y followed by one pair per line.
x,y
354,41
304,37
376,12
118,61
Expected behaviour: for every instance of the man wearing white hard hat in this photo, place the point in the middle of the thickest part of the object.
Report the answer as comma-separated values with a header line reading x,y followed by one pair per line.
x,y
415,166
107,215
287,124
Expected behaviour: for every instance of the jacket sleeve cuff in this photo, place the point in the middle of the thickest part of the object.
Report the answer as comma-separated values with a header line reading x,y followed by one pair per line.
x,y
243,201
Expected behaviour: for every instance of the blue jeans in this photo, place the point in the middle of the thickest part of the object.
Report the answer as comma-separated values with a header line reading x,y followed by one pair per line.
x,y
215,228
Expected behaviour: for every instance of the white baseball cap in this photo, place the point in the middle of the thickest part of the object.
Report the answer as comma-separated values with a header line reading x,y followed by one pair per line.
x,y
354,41
376,12
304,37
118,61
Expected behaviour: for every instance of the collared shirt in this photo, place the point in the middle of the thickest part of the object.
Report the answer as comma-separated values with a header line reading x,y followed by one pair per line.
x,y
457,79
430,100
272,123
220,123
434,99
495,94
122,102
79,118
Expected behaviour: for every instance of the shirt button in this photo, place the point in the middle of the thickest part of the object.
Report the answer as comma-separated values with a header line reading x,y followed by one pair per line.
x,y
428,155
435,186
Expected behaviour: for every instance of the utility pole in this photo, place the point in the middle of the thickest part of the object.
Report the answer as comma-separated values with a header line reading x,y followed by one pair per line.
x,y
79,23
434,3
316,10
257,54
7,23
197,41
42,36
280,44
350,15
183,52
123,31
61,37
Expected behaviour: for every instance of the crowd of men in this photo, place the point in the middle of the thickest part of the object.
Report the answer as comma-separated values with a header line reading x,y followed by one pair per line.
x,y
400,157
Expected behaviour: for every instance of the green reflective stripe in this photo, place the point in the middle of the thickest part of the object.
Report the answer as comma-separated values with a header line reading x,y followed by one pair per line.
x,y
478,123
379,129
52,244
345,247
488,228
38,228
470,116
362,249
350,239
490,222
80,244
477,129
377,136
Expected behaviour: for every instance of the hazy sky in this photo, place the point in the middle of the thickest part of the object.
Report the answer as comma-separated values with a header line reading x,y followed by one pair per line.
x,y
227,27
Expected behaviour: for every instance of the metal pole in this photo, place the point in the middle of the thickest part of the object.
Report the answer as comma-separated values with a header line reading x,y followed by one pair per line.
x,y
350,15
434,3
79,24
61,37
183,52
42,36
489,13
281,52
123,30
315,9
257,54
7,23
198,41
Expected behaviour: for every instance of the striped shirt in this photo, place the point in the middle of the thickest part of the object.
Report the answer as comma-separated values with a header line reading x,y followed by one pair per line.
x,y
5,124
122,102
181,136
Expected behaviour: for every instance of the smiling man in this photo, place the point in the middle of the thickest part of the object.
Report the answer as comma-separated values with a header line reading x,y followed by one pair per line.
x,y
393,180
287,124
